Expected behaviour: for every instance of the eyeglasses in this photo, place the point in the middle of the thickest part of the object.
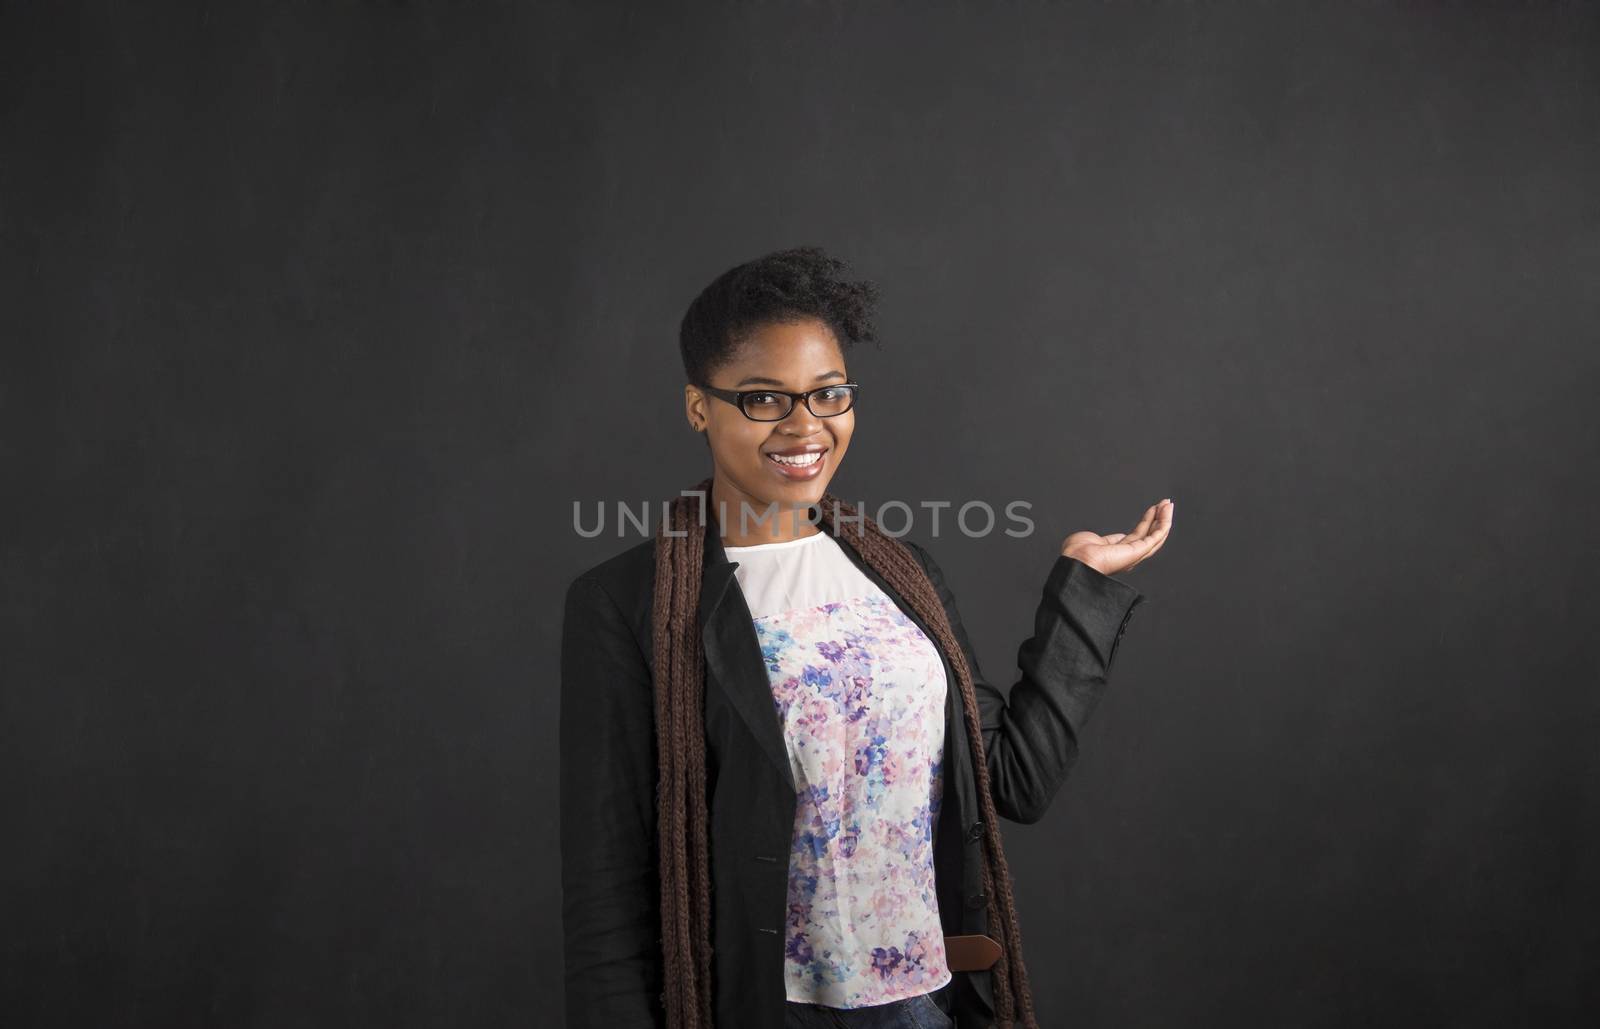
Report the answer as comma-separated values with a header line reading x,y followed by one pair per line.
x,y
774,405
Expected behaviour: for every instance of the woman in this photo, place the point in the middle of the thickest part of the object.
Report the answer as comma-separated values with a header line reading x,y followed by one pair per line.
x,y
781,767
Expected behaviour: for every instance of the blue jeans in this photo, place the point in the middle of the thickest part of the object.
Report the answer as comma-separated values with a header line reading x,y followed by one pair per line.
x,y
918,1012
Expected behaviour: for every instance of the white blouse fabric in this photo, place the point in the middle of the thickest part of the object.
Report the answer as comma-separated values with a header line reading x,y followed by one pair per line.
x,y
860,692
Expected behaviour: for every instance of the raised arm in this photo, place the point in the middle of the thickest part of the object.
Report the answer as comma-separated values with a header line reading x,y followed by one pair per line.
x,y
611,893
1031,740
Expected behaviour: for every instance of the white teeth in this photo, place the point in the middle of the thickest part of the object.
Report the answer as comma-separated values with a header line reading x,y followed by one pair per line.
x,y
798,460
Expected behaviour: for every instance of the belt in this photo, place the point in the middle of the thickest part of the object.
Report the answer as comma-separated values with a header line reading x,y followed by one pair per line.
x,y
972,953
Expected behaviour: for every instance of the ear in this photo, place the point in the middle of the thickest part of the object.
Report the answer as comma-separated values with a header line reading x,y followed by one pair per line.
x,y
694,408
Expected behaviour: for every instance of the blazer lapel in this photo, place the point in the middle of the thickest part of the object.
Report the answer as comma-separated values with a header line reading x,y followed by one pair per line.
x,y
733,653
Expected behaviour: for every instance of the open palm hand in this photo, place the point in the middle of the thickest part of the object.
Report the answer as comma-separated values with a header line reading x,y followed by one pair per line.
x,y
1120,551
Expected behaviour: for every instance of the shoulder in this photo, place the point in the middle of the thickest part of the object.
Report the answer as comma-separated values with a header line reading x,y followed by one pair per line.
x,y
920,552
912,542
624,571
625,581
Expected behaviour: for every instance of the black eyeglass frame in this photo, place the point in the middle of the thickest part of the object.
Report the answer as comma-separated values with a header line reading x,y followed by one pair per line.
x,y
736,398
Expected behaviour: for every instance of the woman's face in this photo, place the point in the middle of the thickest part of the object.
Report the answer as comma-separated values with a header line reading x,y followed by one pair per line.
x,y
794,357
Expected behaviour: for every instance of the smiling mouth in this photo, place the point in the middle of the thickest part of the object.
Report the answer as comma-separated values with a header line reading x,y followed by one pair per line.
x,y
797,460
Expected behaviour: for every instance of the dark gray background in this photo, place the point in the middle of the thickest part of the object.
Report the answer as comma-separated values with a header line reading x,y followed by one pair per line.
x,y
317,323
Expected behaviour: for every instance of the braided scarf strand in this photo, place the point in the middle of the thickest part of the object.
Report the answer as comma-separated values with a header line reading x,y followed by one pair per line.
x,y
680,737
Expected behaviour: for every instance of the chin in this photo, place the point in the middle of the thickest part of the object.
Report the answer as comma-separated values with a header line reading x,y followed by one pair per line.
x,y
800,495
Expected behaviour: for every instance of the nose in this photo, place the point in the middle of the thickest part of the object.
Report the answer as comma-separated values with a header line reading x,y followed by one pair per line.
x,y
800,421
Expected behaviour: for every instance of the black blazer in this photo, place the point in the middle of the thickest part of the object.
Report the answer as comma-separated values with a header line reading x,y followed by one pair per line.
x,y
609,872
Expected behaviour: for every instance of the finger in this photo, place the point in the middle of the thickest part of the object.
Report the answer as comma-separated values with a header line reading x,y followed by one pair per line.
x,y
1145,522
1162,510
1148,523
1154,536
1142,548
1163,529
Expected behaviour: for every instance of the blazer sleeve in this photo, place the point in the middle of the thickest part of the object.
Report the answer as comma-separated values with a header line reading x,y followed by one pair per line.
x,y
1031,741
610,889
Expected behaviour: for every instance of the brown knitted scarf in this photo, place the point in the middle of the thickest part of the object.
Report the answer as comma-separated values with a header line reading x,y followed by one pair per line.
x,y
680,734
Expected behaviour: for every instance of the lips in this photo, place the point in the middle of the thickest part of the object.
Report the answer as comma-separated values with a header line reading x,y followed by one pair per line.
x,y
804,459
797,463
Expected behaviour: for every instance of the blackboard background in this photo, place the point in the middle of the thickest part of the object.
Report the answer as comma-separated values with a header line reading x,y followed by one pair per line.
x,y
318,320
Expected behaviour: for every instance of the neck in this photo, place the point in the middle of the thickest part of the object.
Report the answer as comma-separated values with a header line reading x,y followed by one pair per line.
x,y
744,521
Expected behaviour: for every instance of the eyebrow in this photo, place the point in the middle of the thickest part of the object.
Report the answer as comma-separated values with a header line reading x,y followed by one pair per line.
x,y
756,380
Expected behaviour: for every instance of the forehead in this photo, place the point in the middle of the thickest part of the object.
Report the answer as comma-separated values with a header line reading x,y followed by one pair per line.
x,y
793,353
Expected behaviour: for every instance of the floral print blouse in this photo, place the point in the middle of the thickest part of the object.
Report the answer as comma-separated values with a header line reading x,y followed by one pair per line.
x,y
860,692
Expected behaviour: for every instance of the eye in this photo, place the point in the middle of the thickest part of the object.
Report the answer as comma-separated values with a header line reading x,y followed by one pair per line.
x,y
762,399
